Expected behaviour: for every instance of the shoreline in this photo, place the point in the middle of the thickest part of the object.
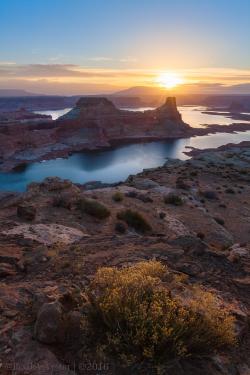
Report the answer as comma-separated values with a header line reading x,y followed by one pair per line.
x,y
14,165
194,152
48,243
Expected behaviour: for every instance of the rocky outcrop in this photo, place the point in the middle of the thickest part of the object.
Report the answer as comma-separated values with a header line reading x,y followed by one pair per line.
x,y
94,122
47,233
46,263
105,122
50,326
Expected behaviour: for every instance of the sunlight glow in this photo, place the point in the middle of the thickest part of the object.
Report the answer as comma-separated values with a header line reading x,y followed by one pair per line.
x,y
169,80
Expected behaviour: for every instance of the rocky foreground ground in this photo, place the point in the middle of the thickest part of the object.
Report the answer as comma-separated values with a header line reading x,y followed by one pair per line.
x,y
50,251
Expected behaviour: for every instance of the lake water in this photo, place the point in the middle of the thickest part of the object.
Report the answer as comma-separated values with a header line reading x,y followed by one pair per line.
x,y
115,165
191,115
54,114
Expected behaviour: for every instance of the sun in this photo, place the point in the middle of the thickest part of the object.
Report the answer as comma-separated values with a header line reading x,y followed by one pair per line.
x,y
169,80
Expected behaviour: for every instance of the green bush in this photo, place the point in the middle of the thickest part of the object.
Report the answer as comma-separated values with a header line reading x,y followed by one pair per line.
x,y
117,196
209,194
93,208
120,227
63,200
230,191
174,199
133,315
135,220
219,220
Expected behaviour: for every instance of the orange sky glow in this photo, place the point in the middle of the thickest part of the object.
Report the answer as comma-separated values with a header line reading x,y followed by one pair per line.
x,y
74,79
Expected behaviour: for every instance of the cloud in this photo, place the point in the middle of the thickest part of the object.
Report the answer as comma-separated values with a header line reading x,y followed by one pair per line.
x,y
67,71
100,58
45,86
128,59
7,63
51,70
61,77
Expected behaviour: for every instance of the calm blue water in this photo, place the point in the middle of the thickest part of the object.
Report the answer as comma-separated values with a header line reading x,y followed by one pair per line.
x,y
116,164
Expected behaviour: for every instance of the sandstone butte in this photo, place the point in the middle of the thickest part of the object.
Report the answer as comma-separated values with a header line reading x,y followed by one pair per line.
x,y
93,123
99,119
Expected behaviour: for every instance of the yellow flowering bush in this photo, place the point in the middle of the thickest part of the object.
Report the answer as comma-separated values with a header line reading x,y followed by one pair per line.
x,y
135,316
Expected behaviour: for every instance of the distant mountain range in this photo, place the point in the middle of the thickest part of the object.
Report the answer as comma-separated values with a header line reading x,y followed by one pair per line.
x,y
141,91
137,96
187,89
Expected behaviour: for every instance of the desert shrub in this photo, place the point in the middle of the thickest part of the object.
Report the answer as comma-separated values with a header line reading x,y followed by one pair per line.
x,y
201,235
194,173
131,194
145,198
117,196
132,314
162,215
182,184
222,205
135,220
26,211
120,227
93,208
174,199
219,220
243,171
63,200
230,191
209,194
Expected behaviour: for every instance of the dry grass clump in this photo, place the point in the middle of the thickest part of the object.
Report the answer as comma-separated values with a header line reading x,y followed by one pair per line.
x,y
117,196
219,220
209,194
174,199
135,220
64,200
133,315
93,208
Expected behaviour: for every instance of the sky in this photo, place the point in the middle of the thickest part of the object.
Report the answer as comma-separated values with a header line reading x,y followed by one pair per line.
x,y
91,46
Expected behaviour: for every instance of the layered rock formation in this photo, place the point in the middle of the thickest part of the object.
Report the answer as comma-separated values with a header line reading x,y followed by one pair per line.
x,y
93,123
102,119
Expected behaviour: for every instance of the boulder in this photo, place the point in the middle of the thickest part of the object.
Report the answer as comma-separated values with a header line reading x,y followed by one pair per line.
x,y
50,327
236,252
33,358
47,234
219,237
74,325
176,227
189,243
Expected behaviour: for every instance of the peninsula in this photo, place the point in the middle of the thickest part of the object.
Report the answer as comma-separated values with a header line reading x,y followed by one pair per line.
x,y
93,123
